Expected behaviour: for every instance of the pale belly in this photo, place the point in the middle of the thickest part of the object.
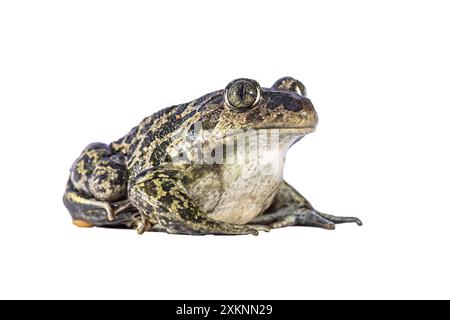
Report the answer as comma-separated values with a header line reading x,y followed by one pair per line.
x,y
237,193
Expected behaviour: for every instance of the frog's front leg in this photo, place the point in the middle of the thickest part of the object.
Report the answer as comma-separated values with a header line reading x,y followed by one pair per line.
x,y
160,196
290,208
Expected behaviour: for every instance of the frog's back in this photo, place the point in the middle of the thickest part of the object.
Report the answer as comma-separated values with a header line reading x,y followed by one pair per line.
x,y
146,145
127,144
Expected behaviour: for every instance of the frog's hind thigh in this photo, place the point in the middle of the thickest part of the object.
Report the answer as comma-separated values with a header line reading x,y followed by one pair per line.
x,y
97,188
100,173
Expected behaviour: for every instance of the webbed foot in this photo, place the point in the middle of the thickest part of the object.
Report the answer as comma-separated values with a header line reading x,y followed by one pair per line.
x,y
294,215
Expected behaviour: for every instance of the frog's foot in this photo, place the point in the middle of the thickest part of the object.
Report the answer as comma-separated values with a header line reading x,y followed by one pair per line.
x,y
112,210
88,212
116,208
294,215
142,223
238,230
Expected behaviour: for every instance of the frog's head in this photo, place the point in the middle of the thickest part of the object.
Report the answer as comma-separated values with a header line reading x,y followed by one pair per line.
x,y
243,104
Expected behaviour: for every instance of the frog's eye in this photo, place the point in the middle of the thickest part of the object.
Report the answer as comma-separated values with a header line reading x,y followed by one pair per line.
x,y
290,84
242,94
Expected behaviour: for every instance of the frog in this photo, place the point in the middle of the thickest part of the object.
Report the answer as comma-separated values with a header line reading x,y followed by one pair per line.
x,y
177,171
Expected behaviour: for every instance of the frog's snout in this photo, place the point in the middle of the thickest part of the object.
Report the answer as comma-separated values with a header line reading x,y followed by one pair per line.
x,y
296,111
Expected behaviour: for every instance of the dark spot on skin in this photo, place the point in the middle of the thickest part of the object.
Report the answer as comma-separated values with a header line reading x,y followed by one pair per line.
x,y
164,130
176,116
120,179
217,100
149,137
170,173
160,152
116,165
181,108
101,189
163,112
200,101
167,185
167,200
150,188
101,178
132,149
208,99
190,214
97,146
209,120
191,130
147,126
131,135
147,129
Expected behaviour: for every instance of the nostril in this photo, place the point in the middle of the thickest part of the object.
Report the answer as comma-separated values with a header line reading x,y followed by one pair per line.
x,y
303,114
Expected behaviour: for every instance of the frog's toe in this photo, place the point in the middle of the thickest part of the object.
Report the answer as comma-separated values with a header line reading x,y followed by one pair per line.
x,y
142,223
252,231
338,220
110,215
264,228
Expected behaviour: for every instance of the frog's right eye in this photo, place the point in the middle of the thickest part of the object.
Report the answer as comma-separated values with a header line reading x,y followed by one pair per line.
x,y
242,94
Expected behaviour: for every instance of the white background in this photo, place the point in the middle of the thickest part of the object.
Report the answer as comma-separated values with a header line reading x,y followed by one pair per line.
x,y
75,72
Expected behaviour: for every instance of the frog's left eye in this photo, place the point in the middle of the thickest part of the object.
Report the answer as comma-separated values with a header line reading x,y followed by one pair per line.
x,y
242,94
290,84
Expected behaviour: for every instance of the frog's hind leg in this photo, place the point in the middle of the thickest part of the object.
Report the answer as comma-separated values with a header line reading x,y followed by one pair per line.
x,y
292,215
89,212
97,188
290,208
159,194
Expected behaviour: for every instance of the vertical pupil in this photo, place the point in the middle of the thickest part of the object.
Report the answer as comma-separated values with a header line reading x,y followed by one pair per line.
x,y
241,91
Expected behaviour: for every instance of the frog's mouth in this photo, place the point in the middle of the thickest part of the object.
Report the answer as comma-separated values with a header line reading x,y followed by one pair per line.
x,y
294,130
281,131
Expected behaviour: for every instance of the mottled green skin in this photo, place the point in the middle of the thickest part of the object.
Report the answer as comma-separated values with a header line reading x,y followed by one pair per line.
x,y
134,182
